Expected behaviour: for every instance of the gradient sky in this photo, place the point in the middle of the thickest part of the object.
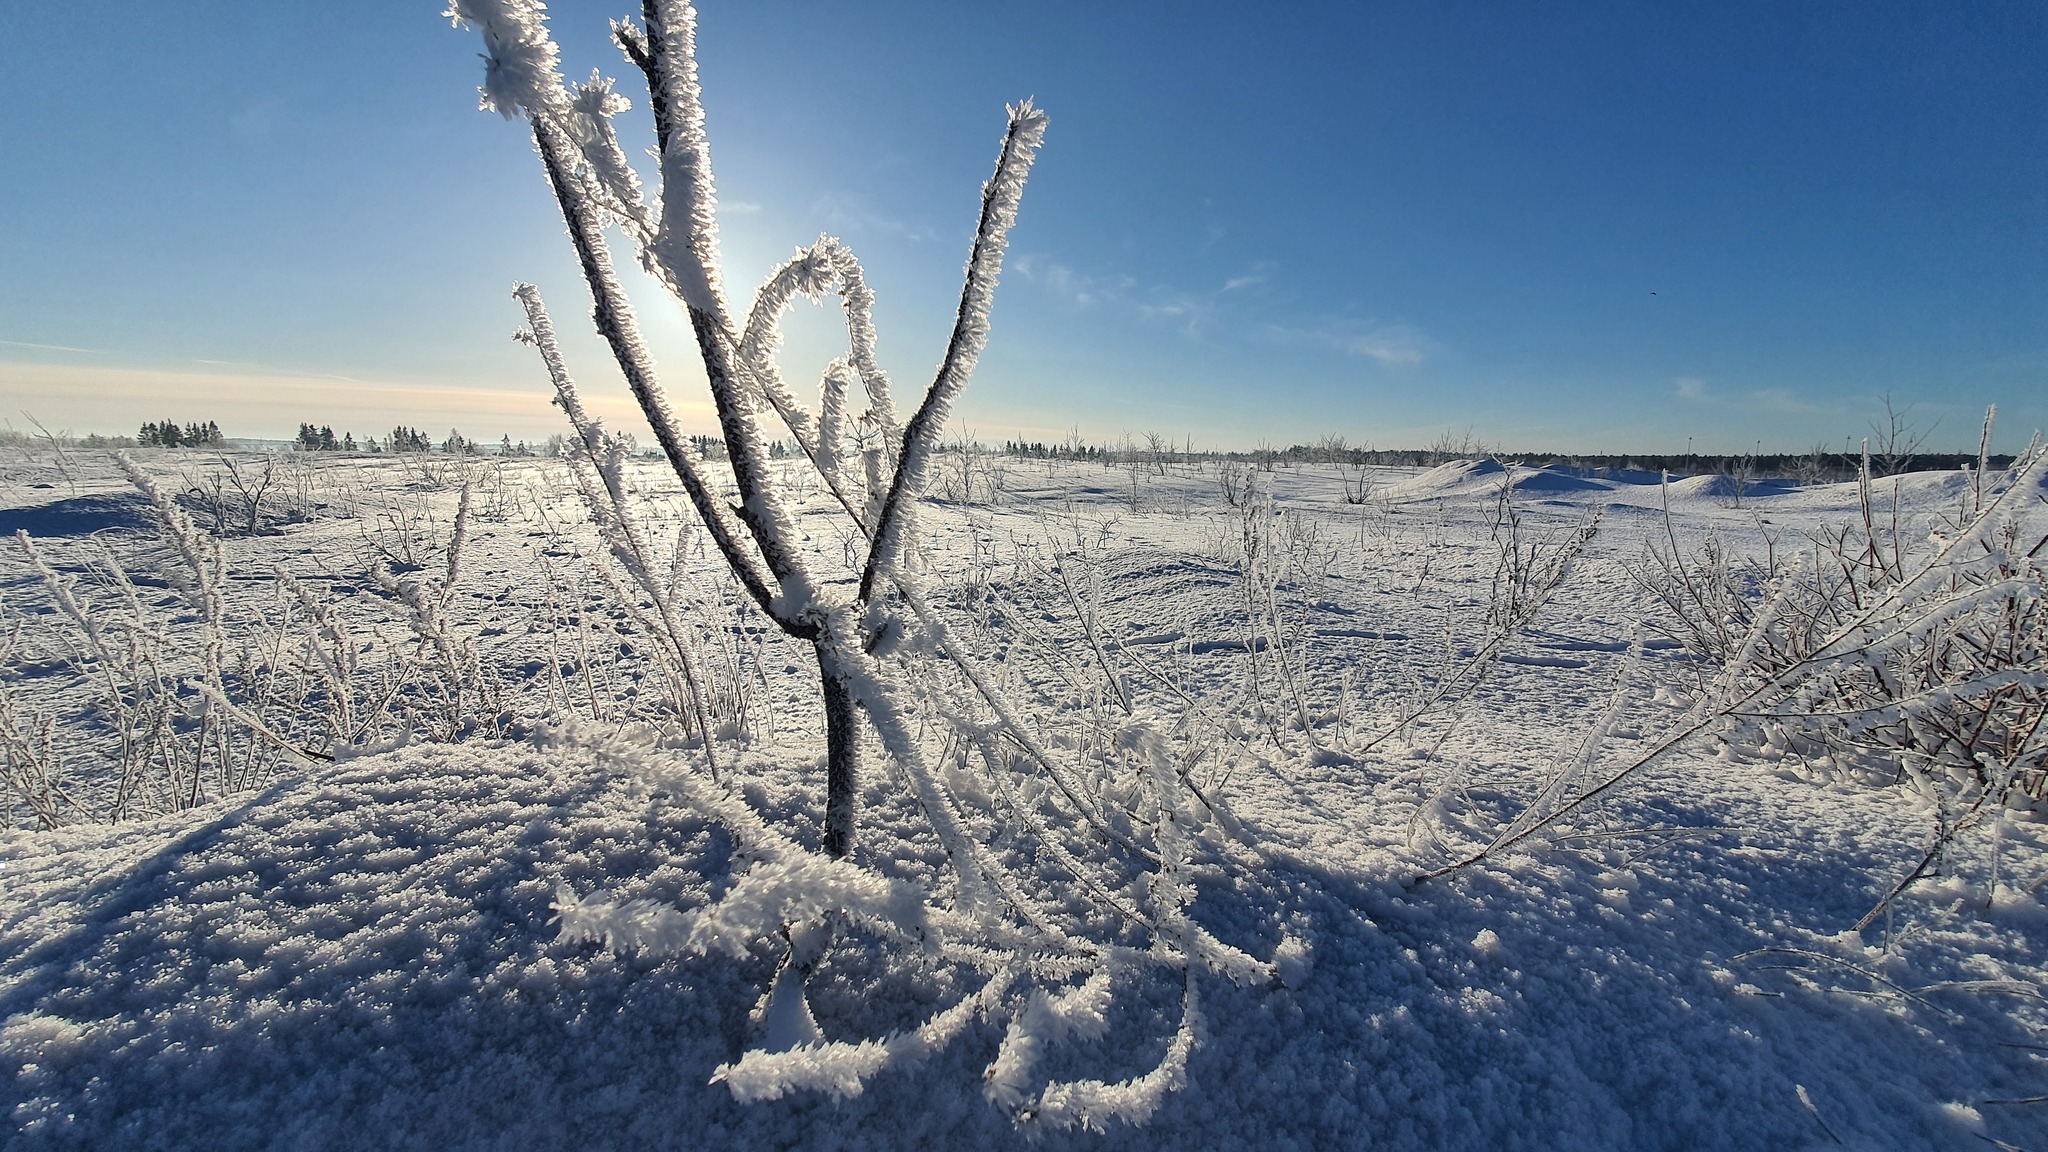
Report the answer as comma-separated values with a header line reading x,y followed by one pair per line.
x,y
1588,226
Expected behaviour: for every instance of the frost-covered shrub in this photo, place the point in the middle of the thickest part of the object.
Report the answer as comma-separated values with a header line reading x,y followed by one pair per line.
x,y
157,666
1891,656
1931,654
1061,881
236,495
145,709
1887,658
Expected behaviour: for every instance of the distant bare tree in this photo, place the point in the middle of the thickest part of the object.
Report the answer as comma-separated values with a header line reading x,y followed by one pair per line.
x,y
1896,438
1158,449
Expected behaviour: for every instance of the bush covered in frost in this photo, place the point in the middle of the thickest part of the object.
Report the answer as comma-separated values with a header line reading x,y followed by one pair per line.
x,y
1064,881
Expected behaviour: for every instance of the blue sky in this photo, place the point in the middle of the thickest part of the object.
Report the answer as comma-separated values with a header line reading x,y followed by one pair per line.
x,y
1597,227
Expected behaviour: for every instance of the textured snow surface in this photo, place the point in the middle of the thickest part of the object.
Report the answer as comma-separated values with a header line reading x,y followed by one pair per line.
x,y
367,960
365,955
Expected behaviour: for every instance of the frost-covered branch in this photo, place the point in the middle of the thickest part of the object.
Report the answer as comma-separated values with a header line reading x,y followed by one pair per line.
x,y
686,246
616,322
604,457
999,200
522,66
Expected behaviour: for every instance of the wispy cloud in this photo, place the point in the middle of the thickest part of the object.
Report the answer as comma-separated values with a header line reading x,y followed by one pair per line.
x,y
1394,345
1783,400
1076,288
851,219
1193,311
245,368
1387,347
1769,401
50,347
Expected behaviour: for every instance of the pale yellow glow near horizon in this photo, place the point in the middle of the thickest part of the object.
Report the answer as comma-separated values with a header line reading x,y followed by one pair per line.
x,y
82,399
269,405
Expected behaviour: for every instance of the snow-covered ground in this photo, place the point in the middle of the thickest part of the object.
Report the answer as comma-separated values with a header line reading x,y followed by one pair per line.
x,y
365,952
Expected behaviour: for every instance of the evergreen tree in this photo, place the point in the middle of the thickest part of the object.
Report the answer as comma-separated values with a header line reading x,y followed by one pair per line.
x,y
404,439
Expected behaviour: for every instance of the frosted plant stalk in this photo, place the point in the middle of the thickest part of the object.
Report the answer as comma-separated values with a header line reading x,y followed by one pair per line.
x,y
613,513
998,914
999,200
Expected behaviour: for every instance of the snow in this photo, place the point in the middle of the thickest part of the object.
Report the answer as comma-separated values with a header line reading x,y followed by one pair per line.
x,y
558,932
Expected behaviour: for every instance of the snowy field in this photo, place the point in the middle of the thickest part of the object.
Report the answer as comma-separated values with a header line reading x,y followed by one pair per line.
x,y
331,913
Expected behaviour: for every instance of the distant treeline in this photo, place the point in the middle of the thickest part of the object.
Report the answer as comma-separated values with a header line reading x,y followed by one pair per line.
x,y
1808,466
1790,466
1154,450
170,434
317,438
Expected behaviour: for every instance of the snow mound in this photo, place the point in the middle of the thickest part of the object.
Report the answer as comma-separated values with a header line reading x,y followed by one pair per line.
x,y
1444,479
1729,488
1629,475
1559,480
1478,478
79,516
